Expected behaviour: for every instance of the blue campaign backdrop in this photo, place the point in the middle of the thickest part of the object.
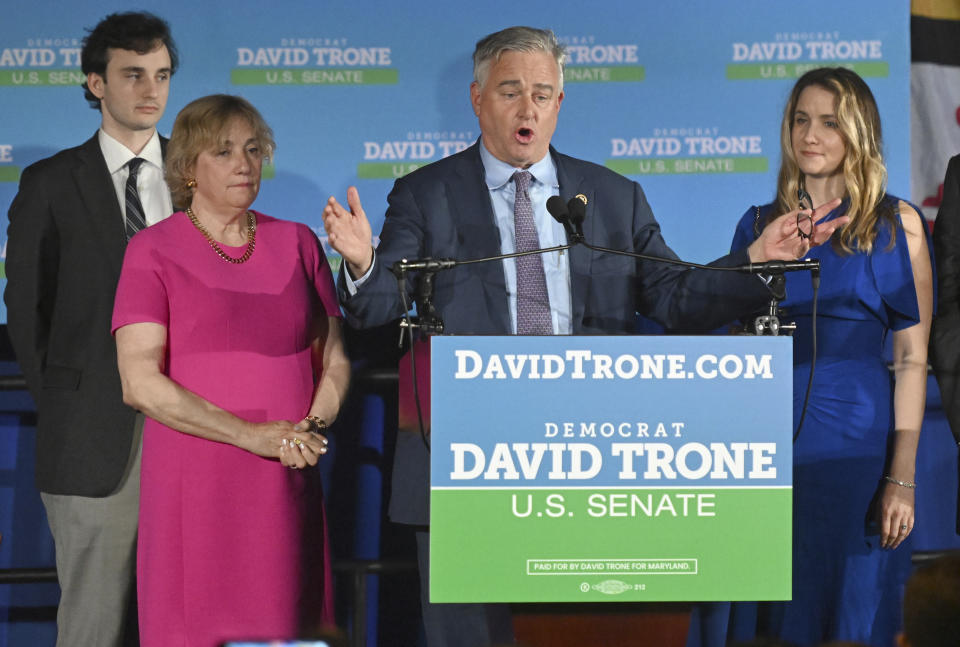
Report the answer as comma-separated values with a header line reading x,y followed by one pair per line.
x,y
359,92
685,98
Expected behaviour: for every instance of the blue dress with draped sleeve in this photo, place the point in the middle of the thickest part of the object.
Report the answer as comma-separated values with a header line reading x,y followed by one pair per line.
x,y
845,587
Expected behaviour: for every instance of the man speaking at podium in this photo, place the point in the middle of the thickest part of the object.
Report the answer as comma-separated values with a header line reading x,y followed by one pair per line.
x,y
491,199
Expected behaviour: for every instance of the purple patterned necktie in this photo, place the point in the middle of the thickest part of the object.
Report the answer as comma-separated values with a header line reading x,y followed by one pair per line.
x,y
533,303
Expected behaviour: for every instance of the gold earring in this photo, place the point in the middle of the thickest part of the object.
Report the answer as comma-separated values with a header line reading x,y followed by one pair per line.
x,y
191,183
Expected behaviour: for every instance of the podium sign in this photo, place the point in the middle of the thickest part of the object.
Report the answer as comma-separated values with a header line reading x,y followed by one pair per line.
x,y
588,469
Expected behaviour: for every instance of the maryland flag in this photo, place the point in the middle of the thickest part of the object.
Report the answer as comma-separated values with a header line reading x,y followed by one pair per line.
x,y
935,98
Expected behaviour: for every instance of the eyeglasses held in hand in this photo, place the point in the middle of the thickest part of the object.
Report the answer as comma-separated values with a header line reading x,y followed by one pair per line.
x,y
804,221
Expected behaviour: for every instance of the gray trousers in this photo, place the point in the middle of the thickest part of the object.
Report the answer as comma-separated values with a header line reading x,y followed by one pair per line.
x,y
96,540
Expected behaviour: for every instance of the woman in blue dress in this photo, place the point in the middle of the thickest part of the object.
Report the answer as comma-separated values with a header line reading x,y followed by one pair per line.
x,y
855,455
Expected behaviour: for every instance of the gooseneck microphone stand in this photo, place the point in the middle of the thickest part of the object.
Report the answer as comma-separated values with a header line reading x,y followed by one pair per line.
x,y
768,323
428,322
571,215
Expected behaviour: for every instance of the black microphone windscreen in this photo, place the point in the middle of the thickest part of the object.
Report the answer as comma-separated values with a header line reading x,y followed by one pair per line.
x,y
557,208
577,210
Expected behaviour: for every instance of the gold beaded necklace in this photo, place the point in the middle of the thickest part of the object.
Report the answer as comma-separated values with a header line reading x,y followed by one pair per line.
x,y
251,237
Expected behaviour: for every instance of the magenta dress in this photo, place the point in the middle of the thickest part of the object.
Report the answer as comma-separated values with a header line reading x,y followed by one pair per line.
x,y
231,545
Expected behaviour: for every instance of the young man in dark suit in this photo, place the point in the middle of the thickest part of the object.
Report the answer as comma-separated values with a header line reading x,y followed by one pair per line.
x,y
69,226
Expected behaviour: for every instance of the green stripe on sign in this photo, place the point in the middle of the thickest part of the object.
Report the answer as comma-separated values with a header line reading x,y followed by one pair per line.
x,y
9,173
311,76
3,269
386,170
688,165
600,73
41,78
752,71
268,172
595,545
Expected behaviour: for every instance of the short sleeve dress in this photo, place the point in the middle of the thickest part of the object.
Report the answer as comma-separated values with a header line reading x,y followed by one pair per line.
x,y
231,545
845,587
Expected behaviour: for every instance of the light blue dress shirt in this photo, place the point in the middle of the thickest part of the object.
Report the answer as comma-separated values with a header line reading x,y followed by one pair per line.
x,y
556,265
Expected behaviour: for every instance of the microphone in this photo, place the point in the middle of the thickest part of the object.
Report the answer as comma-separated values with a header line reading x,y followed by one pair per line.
x,y
782,267
422,264
578,212
561,213
570,215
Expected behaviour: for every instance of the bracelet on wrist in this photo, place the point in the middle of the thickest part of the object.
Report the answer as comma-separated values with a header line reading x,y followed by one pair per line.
x,y
317,424
906,484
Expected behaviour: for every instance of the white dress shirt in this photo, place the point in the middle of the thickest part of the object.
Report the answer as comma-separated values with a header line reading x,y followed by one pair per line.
x,y
153,190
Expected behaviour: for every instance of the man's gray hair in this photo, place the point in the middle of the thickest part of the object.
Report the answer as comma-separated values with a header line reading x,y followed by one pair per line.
x,y
515,39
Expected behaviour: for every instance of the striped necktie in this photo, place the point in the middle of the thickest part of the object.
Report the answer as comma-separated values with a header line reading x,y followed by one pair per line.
x,y
134,219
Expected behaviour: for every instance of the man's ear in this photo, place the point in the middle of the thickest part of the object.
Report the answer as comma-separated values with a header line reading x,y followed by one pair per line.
x,y
95,83
475,98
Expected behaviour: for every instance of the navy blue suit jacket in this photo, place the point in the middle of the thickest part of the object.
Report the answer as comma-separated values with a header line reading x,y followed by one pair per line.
x,y
443,210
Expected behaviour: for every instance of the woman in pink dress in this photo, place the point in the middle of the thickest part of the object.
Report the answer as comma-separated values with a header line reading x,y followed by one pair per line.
x,y
229,340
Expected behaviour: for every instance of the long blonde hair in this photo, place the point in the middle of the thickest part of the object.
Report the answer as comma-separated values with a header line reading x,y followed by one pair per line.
x,y
864,174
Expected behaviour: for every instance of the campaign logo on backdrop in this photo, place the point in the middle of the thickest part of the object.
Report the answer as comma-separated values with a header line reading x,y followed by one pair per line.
x,y
314,61
45,61
8,171
394,159
789,55
687,150
590,60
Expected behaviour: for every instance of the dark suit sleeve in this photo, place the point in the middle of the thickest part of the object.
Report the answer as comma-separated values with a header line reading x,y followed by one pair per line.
x,y
31,268
378,301
945,337
689,299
